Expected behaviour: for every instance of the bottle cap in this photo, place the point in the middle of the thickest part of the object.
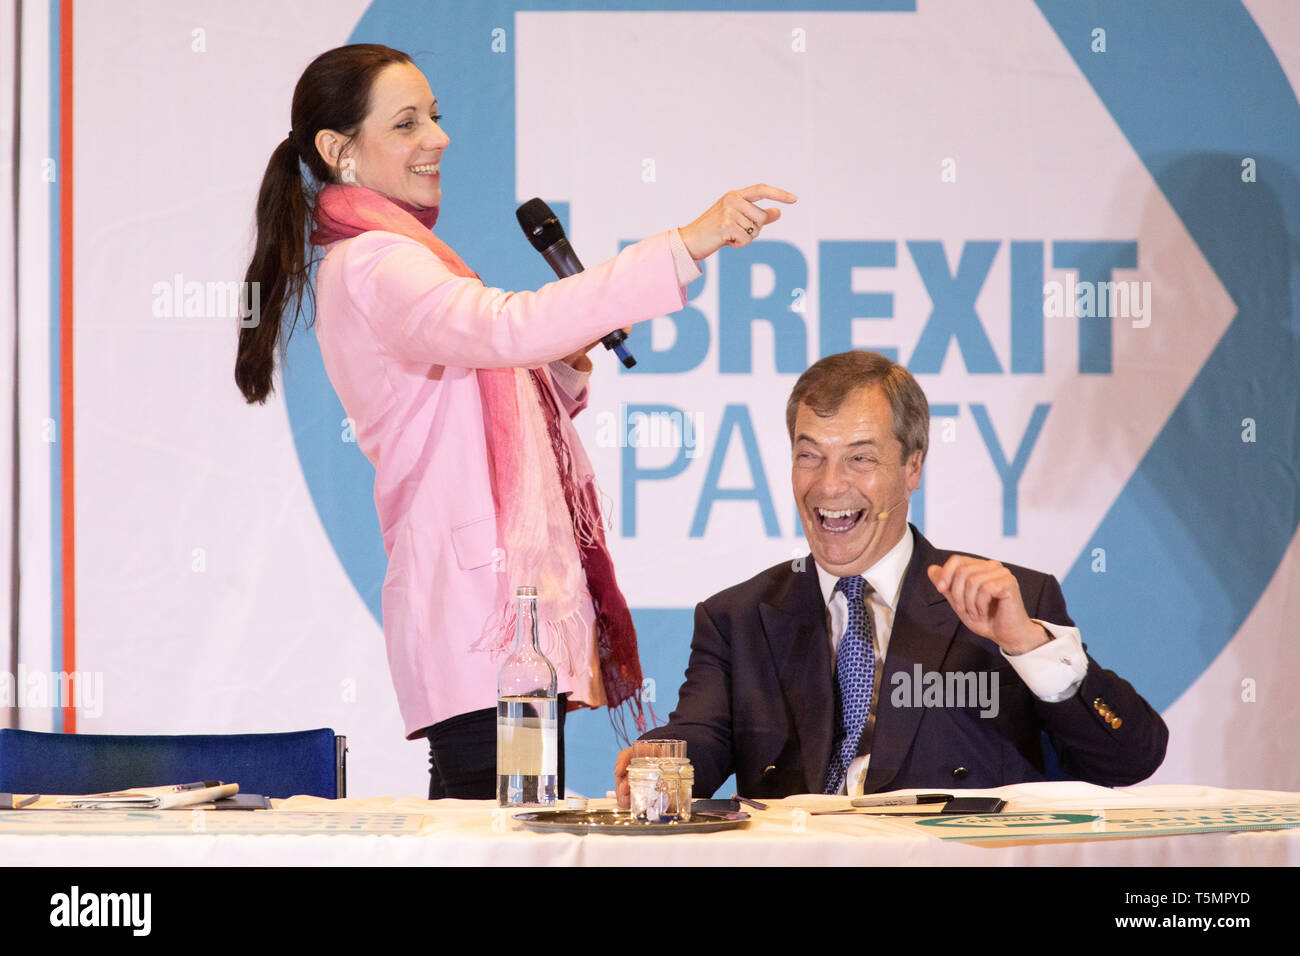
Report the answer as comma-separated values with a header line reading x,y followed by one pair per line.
x,y
526,591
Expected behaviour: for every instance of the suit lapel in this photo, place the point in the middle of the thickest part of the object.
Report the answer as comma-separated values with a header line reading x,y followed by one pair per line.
x,y
794,623
924,628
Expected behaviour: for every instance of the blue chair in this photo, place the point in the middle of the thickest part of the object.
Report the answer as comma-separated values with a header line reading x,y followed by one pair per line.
x,y
275,765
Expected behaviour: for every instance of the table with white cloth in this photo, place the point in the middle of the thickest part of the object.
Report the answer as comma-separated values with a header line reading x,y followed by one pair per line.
x,y
387,831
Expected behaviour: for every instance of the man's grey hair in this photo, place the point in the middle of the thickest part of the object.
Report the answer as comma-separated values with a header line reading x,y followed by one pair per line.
x,y
828,382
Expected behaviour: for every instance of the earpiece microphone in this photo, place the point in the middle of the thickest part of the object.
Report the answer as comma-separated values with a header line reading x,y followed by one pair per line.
x,y
886,512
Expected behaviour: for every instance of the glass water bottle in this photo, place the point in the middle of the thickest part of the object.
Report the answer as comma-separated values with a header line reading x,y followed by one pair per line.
x,y
526,717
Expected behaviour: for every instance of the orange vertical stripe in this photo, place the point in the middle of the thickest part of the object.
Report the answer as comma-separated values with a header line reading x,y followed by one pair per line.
x,y
65,357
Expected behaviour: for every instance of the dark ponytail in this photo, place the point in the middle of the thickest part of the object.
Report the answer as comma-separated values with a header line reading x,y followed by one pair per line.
x,y
333,93
278,269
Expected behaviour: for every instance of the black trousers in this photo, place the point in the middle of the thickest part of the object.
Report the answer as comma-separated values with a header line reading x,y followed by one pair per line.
x,y
463,755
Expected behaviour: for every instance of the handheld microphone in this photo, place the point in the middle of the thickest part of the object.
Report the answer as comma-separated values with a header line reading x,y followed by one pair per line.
x,y
544,231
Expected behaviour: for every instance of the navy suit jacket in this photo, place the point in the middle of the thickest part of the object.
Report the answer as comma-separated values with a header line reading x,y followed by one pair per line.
x,y
758,698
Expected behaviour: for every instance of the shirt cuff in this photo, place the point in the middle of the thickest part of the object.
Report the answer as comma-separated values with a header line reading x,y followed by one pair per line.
x,y
1053,671
688,270
568,379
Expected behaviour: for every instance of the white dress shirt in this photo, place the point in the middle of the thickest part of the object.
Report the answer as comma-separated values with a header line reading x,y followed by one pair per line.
x,y
1053,671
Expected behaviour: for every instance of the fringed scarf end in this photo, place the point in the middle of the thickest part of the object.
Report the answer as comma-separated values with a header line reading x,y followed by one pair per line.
x,y
589,524
566,641
498,634
618,715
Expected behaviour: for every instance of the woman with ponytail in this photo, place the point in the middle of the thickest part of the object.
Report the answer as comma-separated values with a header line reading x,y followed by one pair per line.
x,y
462,395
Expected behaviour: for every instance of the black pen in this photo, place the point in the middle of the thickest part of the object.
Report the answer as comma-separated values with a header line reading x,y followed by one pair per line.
x,y
904,800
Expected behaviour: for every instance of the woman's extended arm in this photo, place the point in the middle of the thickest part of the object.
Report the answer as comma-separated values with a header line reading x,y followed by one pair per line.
x,y
420,311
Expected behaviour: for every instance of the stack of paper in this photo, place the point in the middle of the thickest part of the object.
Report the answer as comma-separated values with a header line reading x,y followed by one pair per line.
x,y
150,798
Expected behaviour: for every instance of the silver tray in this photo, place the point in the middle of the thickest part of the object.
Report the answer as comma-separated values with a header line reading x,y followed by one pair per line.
x,y
620,822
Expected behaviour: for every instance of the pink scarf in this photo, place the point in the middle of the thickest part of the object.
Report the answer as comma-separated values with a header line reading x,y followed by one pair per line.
x,y
542,481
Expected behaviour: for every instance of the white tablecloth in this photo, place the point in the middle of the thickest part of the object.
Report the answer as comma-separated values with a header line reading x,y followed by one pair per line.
x,y
475,833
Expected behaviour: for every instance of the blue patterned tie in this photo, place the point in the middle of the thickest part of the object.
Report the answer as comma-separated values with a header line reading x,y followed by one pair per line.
x,y
855,671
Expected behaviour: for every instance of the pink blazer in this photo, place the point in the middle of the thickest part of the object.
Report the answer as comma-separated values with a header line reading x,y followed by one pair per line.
x,y
400,337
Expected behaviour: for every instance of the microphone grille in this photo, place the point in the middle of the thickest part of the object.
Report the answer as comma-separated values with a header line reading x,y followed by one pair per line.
x,y
539,223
